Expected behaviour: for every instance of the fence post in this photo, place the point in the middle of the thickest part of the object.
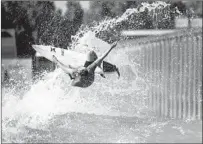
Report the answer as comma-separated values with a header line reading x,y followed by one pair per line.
x,y
194,94
164,78
173,67
166,75
179,74
150,74
174,75
160,80
153,80
171,77
189,76
199,77
156,77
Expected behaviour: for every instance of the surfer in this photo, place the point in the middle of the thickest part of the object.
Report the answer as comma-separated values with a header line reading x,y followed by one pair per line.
x,y
84,76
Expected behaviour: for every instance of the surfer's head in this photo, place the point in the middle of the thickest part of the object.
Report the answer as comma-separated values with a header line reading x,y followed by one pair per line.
x,y
91,56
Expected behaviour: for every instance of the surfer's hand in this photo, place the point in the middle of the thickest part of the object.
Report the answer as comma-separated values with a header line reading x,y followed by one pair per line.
x,y
114,44
102,75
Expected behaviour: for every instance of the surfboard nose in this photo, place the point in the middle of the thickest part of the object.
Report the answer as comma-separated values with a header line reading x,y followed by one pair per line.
x,y
40,48
37,47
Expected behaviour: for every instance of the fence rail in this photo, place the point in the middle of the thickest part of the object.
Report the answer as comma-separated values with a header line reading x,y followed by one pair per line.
x,y
172,66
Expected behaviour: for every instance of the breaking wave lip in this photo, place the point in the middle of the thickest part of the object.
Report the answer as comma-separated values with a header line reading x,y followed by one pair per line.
x,y
50,90
53,95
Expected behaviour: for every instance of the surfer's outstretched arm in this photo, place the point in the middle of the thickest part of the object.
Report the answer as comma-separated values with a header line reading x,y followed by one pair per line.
x,y
100,59
68,69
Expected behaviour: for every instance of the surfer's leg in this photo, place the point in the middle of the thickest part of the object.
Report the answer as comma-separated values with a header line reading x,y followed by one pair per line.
x,y
65,68
108,67
98,61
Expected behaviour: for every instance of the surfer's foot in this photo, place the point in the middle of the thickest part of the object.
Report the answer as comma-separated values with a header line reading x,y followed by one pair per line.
x,y
70,77
114,44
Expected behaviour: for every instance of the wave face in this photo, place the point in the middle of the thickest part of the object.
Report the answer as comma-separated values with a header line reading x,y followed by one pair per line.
x,y
111,110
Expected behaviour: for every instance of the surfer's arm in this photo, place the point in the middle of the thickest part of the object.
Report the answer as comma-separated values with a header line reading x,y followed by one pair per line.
x,y
100,59
74,67
68,69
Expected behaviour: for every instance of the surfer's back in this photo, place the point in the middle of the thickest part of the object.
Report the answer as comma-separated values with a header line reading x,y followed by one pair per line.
x,y
83,81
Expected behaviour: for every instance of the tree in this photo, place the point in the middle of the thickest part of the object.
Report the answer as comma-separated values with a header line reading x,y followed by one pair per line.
x,y
72,21
188,9
6,22
160,18
38,22
16,12
113,9
43,15
100,10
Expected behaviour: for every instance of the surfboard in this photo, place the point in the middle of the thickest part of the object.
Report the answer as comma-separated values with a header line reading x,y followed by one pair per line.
x,y
70,57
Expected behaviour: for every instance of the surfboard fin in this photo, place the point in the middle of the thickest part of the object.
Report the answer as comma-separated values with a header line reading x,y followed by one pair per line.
x,y
118,72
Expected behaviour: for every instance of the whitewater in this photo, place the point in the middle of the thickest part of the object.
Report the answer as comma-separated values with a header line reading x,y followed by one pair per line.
x,y
111,110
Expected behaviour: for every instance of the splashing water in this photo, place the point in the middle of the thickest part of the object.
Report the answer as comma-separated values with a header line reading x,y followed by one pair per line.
x,y
111,110
156,8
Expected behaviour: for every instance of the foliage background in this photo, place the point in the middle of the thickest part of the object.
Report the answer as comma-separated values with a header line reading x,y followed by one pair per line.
x,y
39,22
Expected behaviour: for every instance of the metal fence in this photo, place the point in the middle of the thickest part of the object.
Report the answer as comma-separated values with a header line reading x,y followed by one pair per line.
x,y
172,66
